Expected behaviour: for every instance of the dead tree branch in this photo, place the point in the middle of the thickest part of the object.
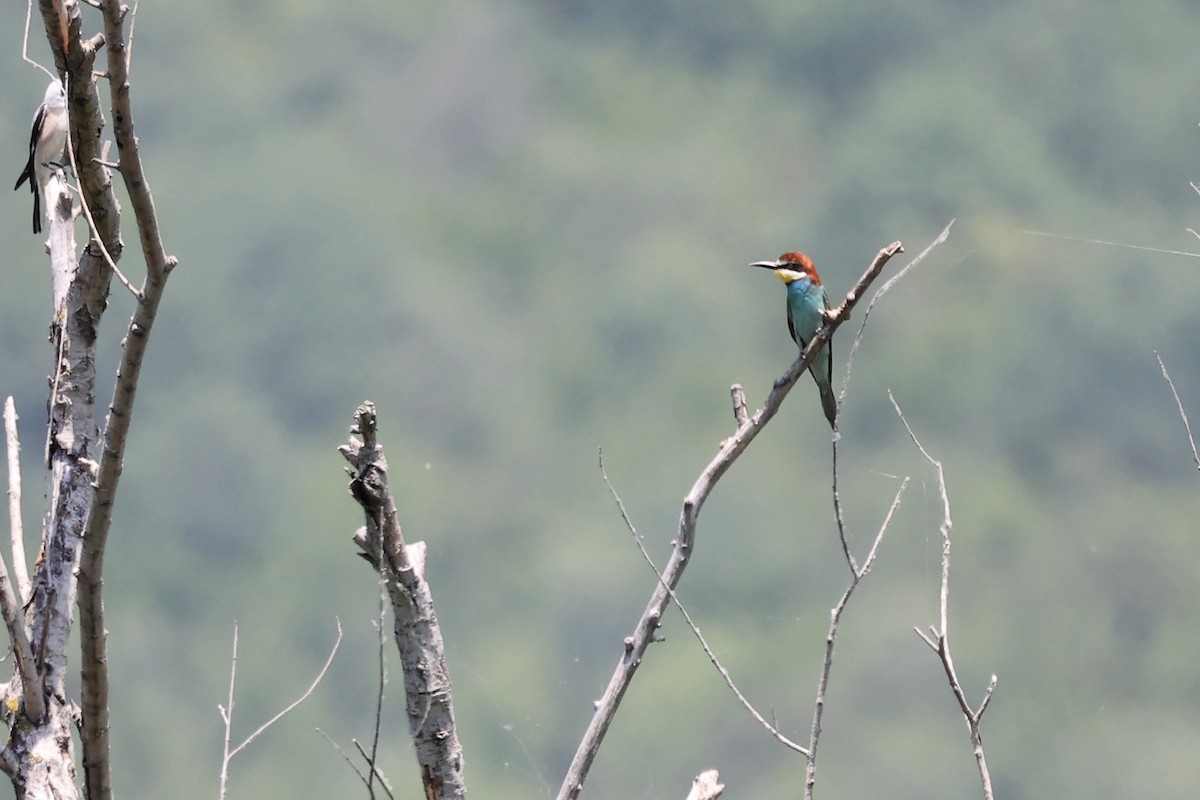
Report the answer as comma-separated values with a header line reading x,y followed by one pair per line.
x,y
16,526
96,186
418,635
84,466
691,623
706,786
12,599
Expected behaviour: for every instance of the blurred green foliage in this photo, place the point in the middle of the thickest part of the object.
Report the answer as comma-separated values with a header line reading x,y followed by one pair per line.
x,y
521,229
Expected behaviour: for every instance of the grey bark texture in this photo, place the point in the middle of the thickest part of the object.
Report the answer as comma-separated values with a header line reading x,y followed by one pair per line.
x,y
428,700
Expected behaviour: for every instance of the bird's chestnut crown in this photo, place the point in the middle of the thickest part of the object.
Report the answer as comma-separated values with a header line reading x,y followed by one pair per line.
x,y
799,262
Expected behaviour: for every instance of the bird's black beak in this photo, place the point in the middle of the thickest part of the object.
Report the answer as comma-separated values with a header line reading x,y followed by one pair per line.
x,y
766,264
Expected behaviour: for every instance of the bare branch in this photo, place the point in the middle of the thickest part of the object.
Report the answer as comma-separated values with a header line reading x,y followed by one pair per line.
x,y
16,527
939,639
373,758
858,338
97,195
345,757
835,615
645,630
740,415
838,516
771,727
227,711
97,239
227,715
1179,403
375,771
10,600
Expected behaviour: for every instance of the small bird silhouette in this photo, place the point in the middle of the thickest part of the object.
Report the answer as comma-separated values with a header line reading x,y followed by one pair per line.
x,y
807,305
47,138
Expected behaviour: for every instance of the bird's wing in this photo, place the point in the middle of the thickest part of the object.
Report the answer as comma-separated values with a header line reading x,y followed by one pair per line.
x,y
792,329
33,140
829,345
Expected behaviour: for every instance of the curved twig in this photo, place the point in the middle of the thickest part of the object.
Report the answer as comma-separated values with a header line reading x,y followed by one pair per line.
x,y
938,638
1179,403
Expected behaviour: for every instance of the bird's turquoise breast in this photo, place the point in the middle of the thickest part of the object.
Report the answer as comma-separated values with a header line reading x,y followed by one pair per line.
x,y
807,301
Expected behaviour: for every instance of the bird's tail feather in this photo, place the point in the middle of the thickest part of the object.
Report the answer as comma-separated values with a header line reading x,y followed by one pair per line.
x,y
829,403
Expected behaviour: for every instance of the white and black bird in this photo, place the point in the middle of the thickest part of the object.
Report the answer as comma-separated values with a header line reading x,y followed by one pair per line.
x,y
46,142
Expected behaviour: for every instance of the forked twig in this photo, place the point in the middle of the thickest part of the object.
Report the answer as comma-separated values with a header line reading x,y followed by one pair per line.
x,y
938,639
227,710
835,615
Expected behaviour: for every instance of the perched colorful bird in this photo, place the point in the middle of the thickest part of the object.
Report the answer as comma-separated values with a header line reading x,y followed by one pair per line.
x,y
806,307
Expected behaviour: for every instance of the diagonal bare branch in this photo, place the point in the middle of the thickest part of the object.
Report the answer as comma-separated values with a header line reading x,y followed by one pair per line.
x,y
772,729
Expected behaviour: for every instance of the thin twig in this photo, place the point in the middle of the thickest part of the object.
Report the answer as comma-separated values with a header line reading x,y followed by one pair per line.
x,y
93,230
888,284
227,714
939,639
87,212
132,27
312,687
1183,414
25,42
372,759
771,727
383,781
835,615
345,757
375,771
227,710
838,515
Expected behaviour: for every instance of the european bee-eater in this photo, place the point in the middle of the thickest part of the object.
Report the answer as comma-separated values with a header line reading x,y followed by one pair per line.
x,y
46,141
806,307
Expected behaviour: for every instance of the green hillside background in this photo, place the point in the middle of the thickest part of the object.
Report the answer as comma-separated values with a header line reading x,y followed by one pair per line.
x,y
522,229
